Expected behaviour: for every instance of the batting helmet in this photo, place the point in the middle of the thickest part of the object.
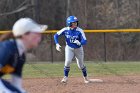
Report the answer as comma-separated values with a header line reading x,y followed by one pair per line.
x,y
70,20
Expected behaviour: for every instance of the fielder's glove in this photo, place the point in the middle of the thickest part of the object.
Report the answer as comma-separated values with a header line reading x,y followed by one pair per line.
x,y
58,47
77,42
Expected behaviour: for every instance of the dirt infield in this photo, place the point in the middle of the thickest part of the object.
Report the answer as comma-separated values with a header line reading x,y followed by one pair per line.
x,y
111,84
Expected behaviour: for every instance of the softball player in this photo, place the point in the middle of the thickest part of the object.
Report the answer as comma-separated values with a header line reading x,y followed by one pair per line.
x,y
75,39
26,35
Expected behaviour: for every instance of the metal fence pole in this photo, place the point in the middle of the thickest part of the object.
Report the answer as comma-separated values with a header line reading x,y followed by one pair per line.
x,y
52,60
105,56
36,10
68,8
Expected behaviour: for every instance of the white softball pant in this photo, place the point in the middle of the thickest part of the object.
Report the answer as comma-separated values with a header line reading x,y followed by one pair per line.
x,y
78,53
4,89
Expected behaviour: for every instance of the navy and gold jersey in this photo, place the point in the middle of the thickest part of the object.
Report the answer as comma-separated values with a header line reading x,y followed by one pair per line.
x,y
10,61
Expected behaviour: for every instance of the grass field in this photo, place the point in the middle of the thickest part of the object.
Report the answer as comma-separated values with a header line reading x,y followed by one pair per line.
x,y
41,70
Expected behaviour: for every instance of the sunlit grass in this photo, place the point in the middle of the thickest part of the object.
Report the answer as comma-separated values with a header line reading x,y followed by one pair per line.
x,y
41,70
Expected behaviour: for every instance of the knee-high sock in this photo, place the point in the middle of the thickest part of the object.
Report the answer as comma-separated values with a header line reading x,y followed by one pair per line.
x,y
84,71
66,71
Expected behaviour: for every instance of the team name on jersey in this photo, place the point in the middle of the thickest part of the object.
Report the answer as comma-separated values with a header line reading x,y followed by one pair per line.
x,y
71,37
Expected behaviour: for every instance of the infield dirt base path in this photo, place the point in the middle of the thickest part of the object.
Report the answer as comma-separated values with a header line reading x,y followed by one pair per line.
x,y
111,84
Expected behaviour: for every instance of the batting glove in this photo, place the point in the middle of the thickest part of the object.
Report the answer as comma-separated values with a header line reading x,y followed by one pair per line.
x,y
77,42
58,47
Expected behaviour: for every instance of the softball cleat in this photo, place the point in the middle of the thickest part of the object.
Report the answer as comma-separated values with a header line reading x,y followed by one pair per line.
x,y
64,80
86,80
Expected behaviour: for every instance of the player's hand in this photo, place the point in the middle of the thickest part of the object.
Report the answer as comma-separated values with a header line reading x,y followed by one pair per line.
x,y
58,47
44,27
77,42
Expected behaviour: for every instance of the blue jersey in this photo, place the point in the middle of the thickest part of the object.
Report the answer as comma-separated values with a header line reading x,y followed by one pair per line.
x,y
71,35
10,61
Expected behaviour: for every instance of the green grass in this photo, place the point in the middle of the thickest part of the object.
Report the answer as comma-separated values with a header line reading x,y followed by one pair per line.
x,y
42,70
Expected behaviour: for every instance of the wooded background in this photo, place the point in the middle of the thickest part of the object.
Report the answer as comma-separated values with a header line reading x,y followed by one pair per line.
x,y
92,14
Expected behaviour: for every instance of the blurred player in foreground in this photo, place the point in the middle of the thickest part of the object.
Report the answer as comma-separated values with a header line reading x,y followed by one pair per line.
x,y
75,39
26,35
